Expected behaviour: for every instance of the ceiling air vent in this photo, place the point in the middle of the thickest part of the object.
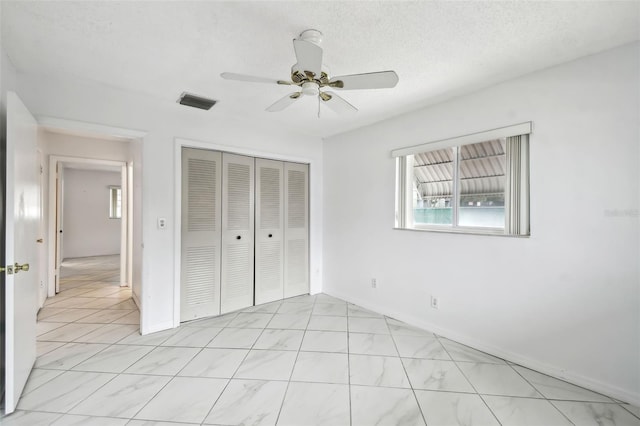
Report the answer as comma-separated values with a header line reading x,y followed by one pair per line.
x,y
196,101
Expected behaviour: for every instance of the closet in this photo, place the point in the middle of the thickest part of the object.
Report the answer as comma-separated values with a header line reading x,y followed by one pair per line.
x,y
245,232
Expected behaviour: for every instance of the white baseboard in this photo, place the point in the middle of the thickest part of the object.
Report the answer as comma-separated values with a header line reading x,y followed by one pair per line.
x,y
550,370
134,296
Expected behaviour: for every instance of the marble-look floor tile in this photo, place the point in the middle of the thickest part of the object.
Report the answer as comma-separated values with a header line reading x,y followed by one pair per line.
x,y
374,370
321,367
69,332
632,409
267,365
429,374
400,328
324,341
43,327
152,339
303,298
114,359
494,379
70,302
215,322
101,303
108,333
557,389
596,414
47,312
123,396
127,304
103,292
327,323
284,340
265,308
368,325
357,311
315,404
29,418
38,377
73,314
289,321
460,352
130,318
68,356
384,406
102,317
194,337
248,402
325,298
215,363
525,411
330,309
420,347
155,423
238,338
46,347
296,308
455,409
77,420
372,344
163,361
184,399
62,393
244,320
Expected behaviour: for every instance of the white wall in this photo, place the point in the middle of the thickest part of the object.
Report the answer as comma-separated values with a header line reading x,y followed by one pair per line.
x,y
87,228
165,120
566,300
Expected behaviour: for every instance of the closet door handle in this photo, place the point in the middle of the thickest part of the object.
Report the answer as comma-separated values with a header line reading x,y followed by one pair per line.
x,y
238,237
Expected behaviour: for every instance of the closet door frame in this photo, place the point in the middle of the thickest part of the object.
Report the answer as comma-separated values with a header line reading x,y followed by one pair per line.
x,y
179,143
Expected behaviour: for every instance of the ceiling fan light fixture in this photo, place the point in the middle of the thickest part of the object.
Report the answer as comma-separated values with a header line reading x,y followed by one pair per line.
x,y
310,89
313,36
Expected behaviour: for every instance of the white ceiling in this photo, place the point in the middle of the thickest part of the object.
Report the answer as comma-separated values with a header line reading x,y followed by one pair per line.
x,y
439,49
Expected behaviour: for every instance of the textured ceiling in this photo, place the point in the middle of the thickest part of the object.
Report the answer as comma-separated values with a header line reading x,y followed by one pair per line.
x,y
439,49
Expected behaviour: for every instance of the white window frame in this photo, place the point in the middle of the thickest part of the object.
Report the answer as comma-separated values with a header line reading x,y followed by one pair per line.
x,y
516,182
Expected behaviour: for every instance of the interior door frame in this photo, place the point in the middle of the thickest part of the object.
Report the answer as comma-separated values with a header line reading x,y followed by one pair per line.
x,y
179,143
55,208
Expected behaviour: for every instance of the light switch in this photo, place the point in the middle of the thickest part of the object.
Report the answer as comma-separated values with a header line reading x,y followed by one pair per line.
x,y
162,223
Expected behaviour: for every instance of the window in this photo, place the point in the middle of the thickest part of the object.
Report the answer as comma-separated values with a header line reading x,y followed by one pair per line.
x,y
115,202
474,184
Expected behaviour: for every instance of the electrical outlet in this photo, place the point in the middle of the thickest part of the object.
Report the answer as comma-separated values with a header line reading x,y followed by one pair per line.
x,y
374,283
162,223
435,302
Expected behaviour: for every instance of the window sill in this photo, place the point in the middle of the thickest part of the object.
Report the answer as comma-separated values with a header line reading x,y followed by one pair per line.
x,y
466,231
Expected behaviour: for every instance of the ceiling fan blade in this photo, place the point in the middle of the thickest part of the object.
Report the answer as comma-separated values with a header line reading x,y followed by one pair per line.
x,y
309,56
282,103
251,78
336,103
372,80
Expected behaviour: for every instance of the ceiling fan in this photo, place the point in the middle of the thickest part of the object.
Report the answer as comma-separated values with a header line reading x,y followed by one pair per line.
x,y
312,78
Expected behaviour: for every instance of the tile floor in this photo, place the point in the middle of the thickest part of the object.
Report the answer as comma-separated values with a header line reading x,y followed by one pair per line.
x,y
309,360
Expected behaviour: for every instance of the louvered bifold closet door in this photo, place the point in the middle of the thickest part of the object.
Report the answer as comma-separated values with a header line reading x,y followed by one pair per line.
x,y
237,232
201,234
269,223
296,232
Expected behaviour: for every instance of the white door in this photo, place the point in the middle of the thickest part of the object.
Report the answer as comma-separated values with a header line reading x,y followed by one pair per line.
x,y
296,230
237,232
201,233
269,224
22,215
